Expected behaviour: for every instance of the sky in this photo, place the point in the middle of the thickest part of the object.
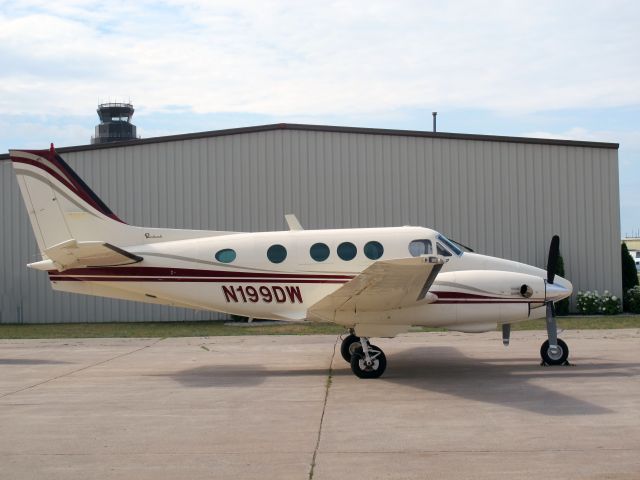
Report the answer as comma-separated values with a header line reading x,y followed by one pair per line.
x,y
555,69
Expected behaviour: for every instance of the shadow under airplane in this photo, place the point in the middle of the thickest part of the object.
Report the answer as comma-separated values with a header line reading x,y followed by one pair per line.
x,y
503,381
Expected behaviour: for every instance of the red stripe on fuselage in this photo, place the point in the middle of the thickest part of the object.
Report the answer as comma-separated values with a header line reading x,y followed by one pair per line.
x,y
463,297
494,300
55,278
166,272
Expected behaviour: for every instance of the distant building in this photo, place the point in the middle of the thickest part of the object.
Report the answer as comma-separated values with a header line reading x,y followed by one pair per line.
x,y
503,196
115,123
633,243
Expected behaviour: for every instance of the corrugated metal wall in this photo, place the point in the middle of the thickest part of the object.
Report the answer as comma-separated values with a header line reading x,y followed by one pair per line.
x,y
500,198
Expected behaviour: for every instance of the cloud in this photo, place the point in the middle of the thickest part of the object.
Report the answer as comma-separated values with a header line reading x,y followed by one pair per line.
x,y
299,58
629,138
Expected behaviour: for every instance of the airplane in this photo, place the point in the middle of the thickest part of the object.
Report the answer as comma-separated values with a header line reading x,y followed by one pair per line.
x,y
375,282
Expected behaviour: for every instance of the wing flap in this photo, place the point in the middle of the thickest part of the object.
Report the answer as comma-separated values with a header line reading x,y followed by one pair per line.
x,y
385,285
74,254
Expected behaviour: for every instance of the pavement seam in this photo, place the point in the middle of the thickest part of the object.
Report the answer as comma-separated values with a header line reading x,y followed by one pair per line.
x,y
341,452
324,407
81,369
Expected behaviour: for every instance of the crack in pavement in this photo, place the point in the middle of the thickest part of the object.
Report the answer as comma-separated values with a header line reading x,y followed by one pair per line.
x,y
324,407
81,369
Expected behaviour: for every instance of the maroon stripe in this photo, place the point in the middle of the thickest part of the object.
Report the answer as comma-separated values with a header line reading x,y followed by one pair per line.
x,y
57,278
67,182
446,302
47,169
80,185
189,272
459,295
470,297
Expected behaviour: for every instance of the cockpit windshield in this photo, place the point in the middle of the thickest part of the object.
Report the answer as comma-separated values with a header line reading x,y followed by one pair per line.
x,y
449,245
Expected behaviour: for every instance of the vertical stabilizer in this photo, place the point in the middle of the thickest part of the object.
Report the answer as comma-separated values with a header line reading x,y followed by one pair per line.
x,y
62,208
60,205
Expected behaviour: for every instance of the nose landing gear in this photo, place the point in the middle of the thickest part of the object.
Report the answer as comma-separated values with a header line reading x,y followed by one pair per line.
x,y
554,356
553,351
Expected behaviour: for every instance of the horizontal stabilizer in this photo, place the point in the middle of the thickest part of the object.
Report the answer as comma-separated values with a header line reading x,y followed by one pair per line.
x,y
74,254
383,286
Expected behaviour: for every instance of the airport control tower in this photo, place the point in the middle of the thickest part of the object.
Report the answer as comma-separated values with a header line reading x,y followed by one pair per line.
x,y
115,123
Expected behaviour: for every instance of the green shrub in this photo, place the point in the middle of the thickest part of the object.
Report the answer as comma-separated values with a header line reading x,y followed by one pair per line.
x,y
609,304
629,272
632,300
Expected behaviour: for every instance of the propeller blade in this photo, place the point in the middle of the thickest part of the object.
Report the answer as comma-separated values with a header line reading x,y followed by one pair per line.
x,y
552,262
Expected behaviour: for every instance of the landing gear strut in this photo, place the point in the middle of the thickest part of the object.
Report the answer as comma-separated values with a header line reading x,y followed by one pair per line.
x,y
553,351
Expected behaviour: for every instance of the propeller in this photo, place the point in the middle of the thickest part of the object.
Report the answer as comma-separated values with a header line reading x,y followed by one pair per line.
x,y
552,266
552,261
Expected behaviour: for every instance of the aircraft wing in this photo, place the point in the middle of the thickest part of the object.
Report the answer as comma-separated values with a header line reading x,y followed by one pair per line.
x,y
385,285
74,254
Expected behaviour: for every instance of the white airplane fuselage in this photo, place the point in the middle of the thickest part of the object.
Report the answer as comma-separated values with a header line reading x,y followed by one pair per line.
x,y
474,292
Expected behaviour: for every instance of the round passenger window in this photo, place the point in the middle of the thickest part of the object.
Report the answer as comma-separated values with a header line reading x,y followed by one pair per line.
x,y
319,252
347,251
226,255
277,253
373,250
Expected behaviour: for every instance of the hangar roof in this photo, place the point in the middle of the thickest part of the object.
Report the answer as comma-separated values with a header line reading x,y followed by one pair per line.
x,y
334,129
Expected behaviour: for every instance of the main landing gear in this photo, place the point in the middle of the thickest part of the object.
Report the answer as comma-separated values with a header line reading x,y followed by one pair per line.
x,y
367,360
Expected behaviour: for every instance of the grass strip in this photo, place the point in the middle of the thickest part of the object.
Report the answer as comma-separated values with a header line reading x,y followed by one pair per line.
x,y
159,329
212,329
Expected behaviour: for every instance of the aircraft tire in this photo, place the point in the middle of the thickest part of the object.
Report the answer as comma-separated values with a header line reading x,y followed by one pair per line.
x,y
349,345
374,371
559,359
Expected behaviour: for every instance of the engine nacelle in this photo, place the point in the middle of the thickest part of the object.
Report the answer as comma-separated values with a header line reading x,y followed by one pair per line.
x,y
485,298
495,285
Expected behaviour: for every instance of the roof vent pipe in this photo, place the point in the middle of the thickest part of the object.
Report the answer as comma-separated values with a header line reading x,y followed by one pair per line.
x,y
435,114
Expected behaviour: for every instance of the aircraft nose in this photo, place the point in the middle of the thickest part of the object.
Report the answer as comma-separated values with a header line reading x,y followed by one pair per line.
x,y
559,289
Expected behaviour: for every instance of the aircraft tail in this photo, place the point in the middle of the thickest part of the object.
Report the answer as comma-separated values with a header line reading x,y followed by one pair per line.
x,y
70,220
60,205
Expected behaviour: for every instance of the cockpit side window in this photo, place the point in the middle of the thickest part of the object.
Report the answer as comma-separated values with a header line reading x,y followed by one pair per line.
x,y
420,247
442,251
450,246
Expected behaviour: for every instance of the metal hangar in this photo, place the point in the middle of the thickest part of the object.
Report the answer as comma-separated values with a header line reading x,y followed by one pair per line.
x,y
504,196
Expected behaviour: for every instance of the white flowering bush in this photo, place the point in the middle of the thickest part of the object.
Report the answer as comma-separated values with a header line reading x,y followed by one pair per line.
x,y
592,303
588,303
609,304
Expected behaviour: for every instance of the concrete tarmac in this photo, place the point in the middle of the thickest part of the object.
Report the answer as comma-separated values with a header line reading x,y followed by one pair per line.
x,y
450,406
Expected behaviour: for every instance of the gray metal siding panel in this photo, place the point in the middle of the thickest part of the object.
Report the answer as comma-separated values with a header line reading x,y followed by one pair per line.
x,y
500,198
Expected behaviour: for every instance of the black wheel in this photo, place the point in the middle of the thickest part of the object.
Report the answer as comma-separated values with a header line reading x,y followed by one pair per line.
x,y
378,363
349,346
558,357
